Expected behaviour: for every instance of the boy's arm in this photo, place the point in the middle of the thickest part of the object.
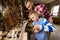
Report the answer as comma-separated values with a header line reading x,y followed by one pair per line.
x,y
47,26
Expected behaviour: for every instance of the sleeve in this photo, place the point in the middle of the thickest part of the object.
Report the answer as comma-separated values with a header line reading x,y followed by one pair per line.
x,y
40,8
47,26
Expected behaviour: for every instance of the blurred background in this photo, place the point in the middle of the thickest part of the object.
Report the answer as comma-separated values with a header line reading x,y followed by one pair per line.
x,y
13,13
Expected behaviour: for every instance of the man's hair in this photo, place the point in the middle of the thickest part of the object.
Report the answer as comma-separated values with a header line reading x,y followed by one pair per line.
x,y
36,13
27,2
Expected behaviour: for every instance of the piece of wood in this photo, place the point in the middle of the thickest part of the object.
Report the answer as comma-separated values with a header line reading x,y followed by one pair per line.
x,y
23,34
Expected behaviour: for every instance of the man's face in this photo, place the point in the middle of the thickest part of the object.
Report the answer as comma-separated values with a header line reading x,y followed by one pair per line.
x,y
34,17
29,5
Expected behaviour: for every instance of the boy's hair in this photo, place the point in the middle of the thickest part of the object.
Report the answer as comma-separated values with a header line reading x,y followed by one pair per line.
x,y
34,12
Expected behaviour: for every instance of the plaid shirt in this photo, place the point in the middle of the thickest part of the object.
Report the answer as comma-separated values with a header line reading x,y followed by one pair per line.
x,y
42,9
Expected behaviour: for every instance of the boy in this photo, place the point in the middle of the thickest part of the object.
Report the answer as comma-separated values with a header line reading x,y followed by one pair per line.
x,y
39,8
41,26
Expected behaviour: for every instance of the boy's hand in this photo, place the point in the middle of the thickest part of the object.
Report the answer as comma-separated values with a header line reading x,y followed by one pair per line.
x,y
36,28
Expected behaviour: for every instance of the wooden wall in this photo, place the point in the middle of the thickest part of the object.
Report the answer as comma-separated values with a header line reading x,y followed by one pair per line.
x,y
50,5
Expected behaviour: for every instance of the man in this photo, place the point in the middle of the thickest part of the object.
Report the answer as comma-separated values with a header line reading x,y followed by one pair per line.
x,y
39,8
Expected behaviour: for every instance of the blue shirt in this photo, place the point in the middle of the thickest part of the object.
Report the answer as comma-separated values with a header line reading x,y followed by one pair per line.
x,y
45,26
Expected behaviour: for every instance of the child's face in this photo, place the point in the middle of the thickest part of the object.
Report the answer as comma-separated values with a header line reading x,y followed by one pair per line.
x,y
34,17
29,5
